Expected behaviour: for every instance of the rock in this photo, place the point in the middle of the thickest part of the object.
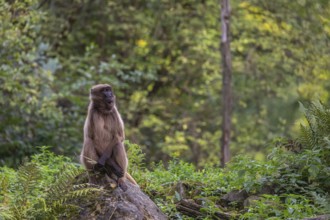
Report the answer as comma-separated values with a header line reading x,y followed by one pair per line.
x,y
132,204
250,201
268,189
235,196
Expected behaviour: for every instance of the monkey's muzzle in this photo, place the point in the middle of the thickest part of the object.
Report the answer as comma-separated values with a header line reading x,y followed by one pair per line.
x,y
109,100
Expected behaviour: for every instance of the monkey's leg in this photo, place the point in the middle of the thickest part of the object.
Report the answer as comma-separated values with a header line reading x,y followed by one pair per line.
x,y
104,156
116,168
120,157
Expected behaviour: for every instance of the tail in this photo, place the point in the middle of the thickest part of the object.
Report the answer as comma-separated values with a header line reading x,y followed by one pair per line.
x,y
130,178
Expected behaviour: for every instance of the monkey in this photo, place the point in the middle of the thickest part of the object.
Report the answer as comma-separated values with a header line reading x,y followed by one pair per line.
x,y
104,136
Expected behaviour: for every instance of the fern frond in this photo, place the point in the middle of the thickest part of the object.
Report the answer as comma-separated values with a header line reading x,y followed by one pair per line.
x,y
18,189
4,192
45,188
306,136
64,182
63,194
28,176
5,213
83,190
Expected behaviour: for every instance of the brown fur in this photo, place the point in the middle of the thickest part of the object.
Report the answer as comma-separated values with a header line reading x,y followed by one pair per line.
x,y
104,134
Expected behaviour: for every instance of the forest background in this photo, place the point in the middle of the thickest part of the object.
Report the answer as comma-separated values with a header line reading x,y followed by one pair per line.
x,y
163,60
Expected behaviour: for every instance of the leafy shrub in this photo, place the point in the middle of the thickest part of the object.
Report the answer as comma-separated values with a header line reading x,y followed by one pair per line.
x,y
286,206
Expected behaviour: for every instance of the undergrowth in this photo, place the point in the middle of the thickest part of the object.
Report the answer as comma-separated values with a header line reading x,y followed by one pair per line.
x,y
42,188
293,183
296,173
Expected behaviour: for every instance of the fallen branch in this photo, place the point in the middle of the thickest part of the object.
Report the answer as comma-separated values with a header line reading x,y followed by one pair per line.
x,y
190,208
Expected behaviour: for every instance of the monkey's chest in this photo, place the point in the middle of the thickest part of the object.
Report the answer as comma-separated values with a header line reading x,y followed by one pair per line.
x,y
107,132
105,135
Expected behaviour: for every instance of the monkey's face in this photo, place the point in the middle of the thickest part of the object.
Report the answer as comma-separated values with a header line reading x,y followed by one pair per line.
x,y
103,94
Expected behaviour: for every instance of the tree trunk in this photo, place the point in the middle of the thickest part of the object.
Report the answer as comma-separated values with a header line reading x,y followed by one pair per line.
x,y
226,81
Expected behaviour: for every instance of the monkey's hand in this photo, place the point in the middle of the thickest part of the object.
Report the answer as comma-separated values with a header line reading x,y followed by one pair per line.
x,y
114,168
122,184
99,168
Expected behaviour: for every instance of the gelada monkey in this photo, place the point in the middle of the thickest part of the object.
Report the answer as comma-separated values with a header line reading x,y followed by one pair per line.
x,y
103,148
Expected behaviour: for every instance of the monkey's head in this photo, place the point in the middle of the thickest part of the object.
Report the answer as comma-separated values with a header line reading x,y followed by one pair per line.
x,y
103,97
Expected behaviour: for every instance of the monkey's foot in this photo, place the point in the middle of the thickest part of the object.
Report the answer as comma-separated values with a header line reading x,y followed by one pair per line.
x,y
122,184
111,182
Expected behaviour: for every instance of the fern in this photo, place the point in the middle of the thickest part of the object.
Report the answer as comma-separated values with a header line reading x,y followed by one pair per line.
x,y
315,139
307,137
4,193
64,189
317,130
45,188
5,213
63,182
27,176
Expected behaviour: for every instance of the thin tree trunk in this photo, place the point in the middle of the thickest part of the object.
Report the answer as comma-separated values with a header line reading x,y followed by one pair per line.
x,y
226,81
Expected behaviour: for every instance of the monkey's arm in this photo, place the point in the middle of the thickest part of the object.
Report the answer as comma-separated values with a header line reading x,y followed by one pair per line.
x,y
112,166
88,155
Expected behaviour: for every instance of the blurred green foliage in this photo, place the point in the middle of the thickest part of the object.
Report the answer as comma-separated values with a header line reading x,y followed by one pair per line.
x,y
163,59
